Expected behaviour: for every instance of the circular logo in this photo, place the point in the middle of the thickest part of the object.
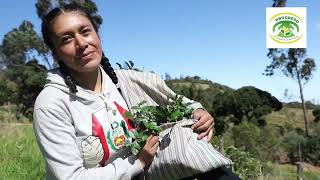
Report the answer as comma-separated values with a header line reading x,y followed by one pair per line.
x,y
285,28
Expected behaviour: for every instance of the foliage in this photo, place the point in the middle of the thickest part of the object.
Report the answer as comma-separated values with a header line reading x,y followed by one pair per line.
x,y
315,129
246,166
2,59
21,45
252,104
294,63
128,65
316,114
29,80
291,141
247,103
279,3
23,77
311,150
301,148
8,90
295,104
204,84
148,118
261,143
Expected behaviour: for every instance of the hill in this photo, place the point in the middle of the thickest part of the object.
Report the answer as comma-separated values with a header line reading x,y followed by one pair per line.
x,y
199,83
289,117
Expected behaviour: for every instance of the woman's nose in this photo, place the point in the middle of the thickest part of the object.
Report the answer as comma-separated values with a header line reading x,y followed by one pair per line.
x,y
81,42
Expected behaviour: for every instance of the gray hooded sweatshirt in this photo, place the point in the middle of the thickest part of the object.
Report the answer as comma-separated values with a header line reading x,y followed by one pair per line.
x,y
82,135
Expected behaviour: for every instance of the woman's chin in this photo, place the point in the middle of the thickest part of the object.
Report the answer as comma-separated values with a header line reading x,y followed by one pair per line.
x,y
89,66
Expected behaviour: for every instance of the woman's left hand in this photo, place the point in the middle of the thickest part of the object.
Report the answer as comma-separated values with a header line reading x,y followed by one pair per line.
x,y
204,124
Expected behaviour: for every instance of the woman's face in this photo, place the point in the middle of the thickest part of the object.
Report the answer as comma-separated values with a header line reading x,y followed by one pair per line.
x,y
76,42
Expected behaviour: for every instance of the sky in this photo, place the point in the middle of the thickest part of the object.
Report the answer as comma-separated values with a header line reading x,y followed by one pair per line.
x,y
222,41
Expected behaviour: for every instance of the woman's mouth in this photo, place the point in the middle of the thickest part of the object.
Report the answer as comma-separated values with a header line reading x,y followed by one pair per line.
x,y
87,55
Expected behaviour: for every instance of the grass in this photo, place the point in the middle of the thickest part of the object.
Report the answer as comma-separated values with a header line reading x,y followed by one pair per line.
x,y
289,117
288,172
20,156
8,115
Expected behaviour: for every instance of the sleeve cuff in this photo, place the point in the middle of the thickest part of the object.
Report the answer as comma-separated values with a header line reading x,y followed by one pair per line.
x,y
196,106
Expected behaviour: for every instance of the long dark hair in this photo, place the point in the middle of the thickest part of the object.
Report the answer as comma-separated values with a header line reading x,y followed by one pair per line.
x,y
46,33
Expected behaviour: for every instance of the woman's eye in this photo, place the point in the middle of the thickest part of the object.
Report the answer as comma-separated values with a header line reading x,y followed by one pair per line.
x,y
66,39
86,31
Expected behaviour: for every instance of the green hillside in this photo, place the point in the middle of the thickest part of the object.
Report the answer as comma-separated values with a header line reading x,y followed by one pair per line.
x,y
290,117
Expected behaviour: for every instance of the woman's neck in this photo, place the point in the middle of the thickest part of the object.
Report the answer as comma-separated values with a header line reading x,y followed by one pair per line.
x,y
88,80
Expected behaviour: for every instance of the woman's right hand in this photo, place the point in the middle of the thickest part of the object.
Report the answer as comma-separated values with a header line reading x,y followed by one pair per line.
x,y
148,152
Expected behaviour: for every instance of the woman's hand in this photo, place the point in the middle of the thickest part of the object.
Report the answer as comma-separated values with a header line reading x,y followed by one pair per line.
x,y
148,152
204,124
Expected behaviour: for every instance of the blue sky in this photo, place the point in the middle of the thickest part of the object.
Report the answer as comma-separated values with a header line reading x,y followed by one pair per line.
x,y
220,41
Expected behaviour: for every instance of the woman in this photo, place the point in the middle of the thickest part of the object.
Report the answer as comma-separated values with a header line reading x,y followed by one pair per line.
x,y
79,117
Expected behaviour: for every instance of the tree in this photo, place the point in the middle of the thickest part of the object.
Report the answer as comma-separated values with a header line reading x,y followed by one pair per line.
x,y
22,77
22,44
316,114
294,64
279,3
8,90
2,59
26,81
262,143
247,103
44,6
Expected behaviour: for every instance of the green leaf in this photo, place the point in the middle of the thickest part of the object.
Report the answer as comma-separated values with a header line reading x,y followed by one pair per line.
x,y
131,134
136,107
155,129
138,135
134,150
179,99
142,102
128,115
175,115
144,138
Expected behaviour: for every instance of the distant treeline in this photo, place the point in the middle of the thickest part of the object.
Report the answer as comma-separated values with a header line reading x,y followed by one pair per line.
x,y
295,104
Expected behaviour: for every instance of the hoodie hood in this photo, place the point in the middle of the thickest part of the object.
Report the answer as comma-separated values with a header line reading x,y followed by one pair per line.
x,y
55,79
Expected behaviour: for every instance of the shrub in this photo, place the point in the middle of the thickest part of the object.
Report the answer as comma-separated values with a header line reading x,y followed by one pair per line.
x,y
316,113
261,143
309,147
245,166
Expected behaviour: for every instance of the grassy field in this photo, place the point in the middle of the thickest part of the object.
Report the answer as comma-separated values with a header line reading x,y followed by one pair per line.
x,y
20,156
289,117
288,172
